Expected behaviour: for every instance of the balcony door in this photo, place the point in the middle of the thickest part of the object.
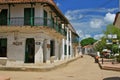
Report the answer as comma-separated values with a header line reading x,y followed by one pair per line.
x,y
3,17
29,16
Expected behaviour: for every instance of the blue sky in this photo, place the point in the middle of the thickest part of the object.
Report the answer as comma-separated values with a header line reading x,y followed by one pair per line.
x,y
89,17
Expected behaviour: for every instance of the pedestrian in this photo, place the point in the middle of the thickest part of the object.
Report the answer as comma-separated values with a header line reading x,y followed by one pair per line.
x,y
96,59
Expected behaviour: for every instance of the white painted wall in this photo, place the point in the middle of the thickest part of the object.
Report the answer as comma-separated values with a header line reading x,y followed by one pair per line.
x,y
17,53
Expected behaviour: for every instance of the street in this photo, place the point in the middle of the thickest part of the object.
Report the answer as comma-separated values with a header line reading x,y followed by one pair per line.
x,y
81,69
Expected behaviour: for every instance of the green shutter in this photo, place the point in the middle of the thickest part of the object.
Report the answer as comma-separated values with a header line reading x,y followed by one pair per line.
x,y
29,16
65,51
3,17
45,18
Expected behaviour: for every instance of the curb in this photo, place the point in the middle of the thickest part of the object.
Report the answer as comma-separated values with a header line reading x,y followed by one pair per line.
x,y
108,67
39,69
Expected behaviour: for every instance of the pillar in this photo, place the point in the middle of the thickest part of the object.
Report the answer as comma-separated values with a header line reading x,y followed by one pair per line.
x,y
71,54
45,50
62,49
67,43
39,52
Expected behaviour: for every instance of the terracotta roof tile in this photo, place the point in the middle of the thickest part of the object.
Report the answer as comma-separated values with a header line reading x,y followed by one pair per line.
x,y
25,1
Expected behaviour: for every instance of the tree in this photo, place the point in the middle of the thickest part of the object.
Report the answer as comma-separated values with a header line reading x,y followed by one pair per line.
x,y
111,29
87,41
100,45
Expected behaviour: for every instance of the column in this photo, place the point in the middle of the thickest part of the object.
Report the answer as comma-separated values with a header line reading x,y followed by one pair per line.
x,y
71,54
62,49
39,52
67,43
46,46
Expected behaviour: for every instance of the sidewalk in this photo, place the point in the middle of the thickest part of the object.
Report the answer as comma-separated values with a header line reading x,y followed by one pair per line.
x,y
107,65
38,67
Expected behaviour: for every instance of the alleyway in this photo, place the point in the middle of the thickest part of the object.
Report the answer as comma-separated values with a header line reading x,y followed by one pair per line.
x,y
81,69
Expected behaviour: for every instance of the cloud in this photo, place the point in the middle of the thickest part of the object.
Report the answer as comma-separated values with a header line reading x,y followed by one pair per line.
x,y
109,17
58,4
87,36
100,10
96,23
83,35
73,15
98,36
90,22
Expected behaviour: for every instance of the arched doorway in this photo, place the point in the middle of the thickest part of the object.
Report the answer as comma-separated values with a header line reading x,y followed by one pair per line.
x,y
29,50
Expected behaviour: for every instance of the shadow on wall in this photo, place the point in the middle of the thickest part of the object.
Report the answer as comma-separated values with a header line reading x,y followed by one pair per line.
x,y
112,78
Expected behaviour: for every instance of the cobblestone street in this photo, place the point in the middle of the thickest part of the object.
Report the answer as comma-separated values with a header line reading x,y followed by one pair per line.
x,y
81,69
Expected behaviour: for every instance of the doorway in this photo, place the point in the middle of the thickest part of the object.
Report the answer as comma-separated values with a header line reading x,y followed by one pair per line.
x,y
3,47
52,48
30,50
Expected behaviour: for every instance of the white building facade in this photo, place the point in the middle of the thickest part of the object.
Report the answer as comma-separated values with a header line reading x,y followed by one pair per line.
x,y
34,31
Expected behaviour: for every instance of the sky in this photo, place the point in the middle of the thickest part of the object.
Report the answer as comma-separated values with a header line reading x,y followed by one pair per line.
x,y
89,17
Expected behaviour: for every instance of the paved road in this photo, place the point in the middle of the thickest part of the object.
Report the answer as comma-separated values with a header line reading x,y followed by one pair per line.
x,y
81,69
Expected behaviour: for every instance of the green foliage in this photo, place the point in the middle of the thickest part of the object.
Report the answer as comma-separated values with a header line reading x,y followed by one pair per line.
x,y
111,29
118,58
100,45
115,48
88,41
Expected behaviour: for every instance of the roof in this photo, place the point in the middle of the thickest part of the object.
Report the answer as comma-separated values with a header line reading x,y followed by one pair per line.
x,y
117,14
24,1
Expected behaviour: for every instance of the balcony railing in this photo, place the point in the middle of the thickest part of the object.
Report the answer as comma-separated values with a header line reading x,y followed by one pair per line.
x,y
36,21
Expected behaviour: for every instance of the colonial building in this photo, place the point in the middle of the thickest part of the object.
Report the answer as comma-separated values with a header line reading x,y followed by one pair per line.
x,y
32,31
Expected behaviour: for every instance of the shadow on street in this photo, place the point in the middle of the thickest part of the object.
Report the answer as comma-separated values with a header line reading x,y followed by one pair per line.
x,y
112,78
